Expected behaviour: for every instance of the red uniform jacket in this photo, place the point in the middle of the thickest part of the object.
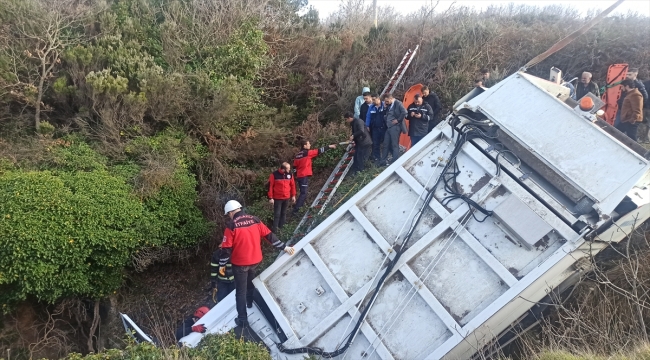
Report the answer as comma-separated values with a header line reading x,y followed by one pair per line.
x,y
302,161
242,240
281,185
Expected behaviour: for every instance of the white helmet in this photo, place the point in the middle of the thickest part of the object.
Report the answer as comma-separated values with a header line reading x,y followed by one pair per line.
x,y
231,205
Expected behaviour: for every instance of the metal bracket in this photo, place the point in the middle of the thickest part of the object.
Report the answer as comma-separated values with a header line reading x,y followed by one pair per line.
x,y
320,291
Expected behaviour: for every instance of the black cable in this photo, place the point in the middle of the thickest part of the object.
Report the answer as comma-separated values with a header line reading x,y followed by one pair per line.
x,y
448,177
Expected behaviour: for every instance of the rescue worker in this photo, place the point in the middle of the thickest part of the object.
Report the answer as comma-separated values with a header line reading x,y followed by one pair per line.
x,y
302,166
375,122
242,248
360,100
419,116
433,100
188,327
362,142
586,86
632,109
394,119
222,285
282,188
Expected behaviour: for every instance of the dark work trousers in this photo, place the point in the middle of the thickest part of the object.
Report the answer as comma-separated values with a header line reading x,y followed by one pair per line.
x,y
415,139
279,213
360,156
432,124
303,182
391,143
244,288
377,139
628,129
224,288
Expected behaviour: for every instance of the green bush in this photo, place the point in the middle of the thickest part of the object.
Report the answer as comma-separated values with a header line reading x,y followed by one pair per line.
x,y
212,347
62,235
70,229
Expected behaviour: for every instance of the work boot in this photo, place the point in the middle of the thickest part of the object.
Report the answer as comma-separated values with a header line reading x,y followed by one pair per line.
x,y
249,304
241,323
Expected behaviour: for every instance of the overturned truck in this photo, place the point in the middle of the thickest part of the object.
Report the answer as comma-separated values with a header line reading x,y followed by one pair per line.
x,y
456,240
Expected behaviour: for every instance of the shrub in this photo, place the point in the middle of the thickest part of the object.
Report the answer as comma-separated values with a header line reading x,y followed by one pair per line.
x,y
70,229
64,235
212,347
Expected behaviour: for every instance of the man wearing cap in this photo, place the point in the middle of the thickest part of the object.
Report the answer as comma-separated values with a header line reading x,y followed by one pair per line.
x,y
631,110
188,327
242,247
360,100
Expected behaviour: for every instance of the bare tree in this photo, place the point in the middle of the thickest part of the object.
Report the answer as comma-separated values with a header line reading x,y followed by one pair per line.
x,y
37,34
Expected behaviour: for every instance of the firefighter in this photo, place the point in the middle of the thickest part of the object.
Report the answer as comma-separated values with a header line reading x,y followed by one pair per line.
x,y
282,188
188,326
302,165
241,246
222,285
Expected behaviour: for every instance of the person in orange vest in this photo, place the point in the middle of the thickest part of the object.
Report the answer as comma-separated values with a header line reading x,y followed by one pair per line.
x,y
242,247
282,188
302,165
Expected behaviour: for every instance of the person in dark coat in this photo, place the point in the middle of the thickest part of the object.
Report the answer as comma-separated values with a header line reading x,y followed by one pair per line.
x,y
632,75
432,99
394,119
419,116
586,86
362,142
375,122
188,327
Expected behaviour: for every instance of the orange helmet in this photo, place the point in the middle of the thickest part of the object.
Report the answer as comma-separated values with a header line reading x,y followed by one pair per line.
x,y
201,311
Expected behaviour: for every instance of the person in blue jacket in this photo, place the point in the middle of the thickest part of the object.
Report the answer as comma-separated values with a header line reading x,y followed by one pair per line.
x,y
376,125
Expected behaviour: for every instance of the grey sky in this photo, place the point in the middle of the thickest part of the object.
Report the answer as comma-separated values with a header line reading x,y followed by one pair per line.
x,y
326,7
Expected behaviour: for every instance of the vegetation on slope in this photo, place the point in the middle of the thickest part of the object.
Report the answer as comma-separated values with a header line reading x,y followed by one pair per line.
x,y
125,125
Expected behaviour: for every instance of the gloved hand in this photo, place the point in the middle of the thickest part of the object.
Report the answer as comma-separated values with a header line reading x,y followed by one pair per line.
x,y
222,270
289,250
199,328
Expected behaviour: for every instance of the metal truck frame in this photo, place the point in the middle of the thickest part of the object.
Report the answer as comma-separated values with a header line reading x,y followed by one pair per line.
x,y
559,188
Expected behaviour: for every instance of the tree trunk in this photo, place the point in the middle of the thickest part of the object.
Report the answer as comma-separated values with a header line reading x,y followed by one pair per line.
x,y
39,97
93,327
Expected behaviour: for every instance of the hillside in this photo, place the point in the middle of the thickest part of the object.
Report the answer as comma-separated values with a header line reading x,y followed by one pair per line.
x,y
143,117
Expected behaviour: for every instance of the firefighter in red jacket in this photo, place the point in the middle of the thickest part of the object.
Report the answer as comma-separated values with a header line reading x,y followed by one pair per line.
x,y
302,164
242,247
282,188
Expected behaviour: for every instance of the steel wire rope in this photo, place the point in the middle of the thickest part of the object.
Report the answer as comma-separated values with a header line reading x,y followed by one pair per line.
x,y
424,190
428,270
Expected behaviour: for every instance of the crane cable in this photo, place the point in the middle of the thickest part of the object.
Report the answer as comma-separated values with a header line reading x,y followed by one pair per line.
x,y
569,38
